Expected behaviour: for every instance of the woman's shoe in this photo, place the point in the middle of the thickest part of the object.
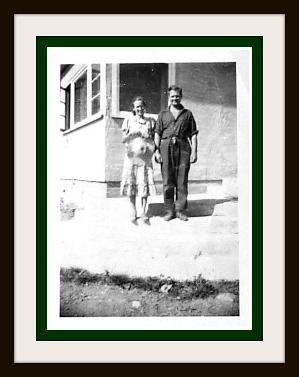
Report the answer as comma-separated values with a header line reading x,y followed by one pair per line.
x,y
134,220
144,218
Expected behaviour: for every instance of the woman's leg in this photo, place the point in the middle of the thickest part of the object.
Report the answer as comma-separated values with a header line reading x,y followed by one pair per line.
x,y
133,207
143,205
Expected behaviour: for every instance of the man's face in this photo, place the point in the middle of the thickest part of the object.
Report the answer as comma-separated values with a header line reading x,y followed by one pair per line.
x,y
175,98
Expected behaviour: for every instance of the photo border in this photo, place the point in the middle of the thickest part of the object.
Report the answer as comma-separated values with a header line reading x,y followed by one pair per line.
x,y
256,43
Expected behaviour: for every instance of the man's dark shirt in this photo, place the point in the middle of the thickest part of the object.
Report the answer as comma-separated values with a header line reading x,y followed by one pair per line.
x,y
183,126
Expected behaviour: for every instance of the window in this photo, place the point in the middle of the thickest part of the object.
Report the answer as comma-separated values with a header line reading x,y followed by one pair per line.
x,y
81,98
83,95
148,80
96,88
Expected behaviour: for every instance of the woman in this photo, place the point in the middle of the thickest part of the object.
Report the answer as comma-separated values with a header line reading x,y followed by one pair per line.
x,y
137,177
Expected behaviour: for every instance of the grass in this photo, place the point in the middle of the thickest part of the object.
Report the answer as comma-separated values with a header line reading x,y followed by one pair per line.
x,y
186,290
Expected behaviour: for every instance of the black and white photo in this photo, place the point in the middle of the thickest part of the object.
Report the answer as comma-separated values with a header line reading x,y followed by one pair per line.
x,y
136,241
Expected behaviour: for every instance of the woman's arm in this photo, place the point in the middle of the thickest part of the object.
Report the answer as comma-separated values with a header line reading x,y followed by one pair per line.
x,y
125,130
127,133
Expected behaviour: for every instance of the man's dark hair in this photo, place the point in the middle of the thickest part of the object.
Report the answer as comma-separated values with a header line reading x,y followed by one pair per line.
x,y
176,88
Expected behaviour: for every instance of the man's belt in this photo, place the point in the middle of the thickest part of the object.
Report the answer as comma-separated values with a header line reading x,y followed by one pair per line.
x,y
174,139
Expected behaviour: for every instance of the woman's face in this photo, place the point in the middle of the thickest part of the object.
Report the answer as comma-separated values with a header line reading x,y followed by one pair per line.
x,y
139,108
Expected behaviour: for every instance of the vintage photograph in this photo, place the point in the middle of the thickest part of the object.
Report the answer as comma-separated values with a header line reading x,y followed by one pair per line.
x,y
148,181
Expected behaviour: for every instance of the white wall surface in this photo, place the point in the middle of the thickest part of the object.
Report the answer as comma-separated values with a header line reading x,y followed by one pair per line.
x,y
83,153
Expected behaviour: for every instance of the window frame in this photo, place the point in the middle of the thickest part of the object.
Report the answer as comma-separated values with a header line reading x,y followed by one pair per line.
x,y
70,79
116,113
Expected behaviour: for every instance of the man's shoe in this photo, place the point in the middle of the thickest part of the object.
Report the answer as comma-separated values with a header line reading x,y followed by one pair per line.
x,y
169,216
181,216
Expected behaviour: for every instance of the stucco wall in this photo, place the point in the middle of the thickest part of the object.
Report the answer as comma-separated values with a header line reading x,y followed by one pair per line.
x,y
113,144
209,91
114,149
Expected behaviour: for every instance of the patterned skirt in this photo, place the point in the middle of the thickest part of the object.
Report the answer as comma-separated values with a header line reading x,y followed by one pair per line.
x,y
137,177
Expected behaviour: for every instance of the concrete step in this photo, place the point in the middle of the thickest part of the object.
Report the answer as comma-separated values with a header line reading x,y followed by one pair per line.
x,y
194,187
202,195
105,239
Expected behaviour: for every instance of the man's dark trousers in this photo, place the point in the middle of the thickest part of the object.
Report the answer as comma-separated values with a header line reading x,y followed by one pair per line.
x,y
175,168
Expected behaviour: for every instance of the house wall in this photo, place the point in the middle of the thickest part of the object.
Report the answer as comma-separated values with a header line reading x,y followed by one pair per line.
x,y
209,91
114,149
83,153
113,144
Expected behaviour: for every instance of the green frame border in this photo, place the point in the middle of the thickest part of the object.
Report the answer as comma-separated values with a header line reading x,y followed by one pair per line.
x,y
256,43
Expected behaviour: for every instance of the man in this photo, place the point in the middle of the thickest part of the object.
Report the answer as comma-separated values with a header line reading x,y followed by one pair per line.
x,y
176,148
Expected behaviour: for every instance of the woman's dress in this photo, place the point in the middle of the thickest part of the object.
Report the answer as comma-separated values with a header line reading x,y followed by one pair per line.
x,y
138,175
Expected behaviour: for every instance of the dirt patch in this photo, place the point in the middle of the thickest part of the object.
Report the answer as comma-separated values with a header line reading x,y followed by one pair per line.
x,y
102,295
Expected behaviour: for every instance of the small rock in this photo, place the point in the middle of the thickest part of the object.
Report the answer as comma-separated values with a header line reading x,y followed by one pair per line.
x,y
226,297
165,288
136,304
198,254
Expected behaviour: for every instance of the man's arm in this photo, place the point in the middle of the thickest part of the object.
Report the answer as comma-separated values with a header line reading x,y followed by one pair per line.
x,y
193,139
157,140
193,156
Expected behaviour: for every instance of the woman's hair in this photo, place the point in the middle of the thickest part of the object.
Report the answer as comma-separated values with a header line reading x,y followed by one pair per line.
x,y
137,99
176,88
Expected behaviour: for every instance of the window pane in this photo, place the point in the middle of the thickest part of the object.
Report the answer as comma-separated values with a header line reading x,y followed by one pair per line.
x,y
96,70
81,98
95,105
147,80
67,107
96,86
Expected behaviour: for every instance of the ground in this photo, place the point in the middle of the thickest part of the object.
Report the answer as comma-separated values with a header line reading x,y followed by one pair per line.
x,y
96,295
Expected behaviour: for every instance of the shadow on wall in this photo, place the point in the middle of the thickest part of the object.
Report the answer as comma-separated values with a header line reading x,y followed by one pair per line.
x,y
196,208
